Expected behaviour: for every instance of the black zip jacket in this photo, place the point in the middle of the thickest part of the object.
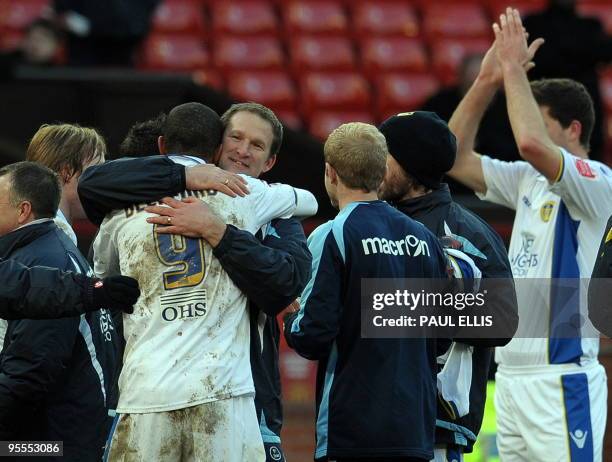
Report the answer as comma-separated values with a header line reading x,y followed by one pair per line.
x,y
272,274
600,286
439,214
41,292
57,377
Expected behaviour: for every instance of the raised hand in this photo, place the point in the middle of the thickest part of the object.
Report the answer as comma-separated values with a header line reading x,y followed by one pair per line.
x,y
511,41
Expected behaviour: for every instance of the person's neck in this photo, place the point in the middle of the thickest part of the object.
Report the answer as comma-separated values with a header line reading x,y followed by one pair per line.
x,y
64,207
353,195
414,193
578,150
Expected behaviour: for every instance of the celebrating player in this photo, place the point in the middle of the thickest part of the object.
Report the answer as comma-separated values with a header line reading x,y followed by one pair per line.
x,y
551,390
192,313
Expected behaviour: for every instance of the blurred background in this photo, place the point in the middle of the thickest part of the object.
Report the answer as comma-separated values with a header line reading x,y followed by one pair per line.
x,y
316,63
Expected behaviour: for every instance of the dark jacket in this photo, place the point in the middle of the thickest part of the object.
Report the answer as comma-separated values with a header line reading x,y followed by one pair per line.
x,y
272,274
376,397
440,214
41,292
600,286
57,377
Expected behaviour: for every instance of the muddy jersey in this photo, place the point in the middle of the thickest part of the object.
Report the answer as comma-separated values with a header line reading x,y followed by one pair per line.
x,y
554,237
187,341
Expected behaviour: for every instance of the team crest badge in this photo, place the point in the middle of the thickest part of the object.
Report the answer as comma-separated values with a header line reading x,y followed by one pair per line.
x,y
546,211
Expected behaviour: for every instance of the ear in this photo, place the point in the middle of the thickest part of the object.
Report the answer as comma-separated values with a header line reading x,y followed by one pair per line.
x,y
161,145
65,175
269,163
25,212
331,173
575,130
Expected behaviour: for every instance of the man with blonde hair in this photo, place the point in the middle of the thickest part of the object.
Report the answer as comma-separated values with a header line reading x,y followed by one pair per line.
x,y
67,149
376,398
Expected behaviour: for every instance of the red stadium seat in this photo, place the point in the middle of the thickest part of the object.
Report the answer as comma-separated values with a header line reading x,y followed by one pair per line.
x,y
273,89
382,54
445,19
244,17
525,7
17,15
179,16
334,91
447,55
178,53
397,93
250,53
600,10
315,17
323,123
322,53
385,18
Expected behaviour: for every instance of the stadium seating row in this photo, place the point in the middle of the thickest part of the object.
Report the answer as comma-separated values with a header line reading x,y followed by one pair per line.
x,y
464,18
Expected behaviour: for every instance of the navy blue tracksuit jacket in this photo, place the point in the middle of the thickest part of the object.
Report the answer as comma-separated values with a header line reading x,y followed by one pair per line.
x,y
375,397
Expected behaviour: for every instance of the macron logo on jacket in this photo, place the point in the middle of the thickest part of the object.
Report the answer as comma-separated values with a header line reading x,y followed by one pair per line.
x,y
411,246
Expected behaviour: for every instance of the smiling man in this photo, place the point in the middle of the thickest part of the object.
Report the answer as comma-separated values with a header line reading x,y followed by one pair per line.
x,y
271,272
251,139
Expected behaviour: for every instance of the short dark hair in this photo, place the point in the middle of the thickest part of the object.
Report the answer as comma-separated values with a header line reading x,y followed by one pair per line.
x,y
35,183
265,113
192,128
141,139
567,100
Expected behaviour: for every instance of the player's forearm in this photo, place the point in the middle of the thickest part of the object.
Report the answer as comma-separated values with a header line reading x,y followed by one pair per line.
x,y
306,203
523,111
465,121
527,123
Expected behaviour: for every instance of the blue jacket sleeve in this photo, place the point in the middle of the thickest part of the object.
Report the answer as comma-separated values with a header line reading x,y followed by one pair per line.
x,y
312,330
120,183
42,293
272,274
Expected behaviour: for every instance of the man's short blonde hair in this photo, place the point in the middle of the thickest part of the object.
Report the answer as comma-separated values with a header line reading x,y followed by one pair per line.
x,y
358,153
66,148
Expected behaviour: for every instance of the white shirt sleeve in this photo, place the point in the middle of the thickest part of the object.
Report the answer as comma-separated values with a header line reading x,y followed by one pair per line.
x,y
106,257
585,186
503,180
279,201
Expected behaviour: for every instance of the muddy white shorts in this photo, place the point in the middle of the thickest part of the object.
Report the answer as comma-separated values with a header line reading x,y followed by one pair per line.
x,y
221,431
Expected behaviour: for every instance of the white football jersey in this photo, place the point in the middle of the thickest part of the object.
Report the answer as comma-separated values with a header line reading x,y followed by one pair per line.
x,y
187,342
555,236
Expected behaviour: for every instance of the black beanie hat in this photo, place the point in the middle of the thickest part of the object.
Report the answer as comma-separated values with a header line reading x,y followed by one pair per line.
x,y
422,144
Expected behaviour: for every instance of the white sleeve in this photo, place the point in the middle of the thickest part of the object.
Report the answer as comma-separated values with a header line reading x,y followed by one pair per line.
x,y
503,180
279,201
585,186
106,257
